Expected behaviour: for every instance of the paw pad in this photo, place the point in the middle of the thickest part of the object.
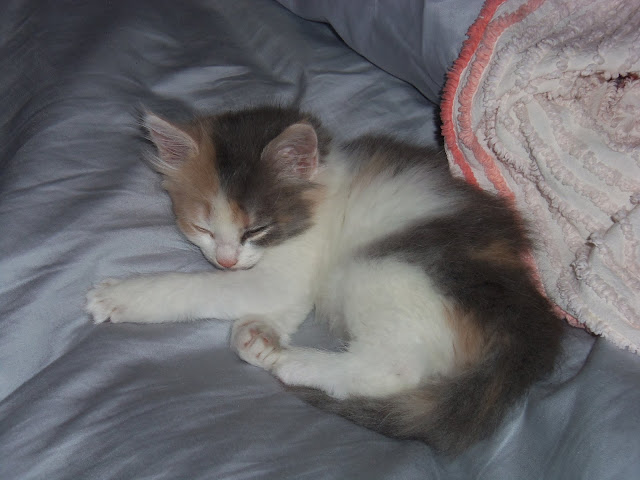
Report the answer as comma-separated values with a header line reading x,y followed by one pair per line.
x,y
256,343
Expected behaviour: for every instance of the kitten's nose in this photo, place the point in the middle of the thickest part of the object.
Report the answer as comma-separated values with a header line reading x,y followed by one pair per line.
x,y
227,262
226,254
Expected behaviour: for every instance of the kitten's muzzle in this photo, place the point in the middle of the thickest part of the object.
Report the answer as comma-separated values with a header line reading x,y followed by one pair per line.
x,y
227,263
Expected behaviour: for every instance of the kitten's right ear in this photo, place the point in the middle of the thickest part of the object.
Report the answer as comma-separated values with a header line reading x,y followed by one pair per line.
x,y
174,145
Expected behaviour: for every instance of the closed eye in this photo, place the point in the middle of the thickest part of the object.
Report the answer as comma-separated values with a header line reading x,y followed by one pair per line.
x,y
203,230
254,233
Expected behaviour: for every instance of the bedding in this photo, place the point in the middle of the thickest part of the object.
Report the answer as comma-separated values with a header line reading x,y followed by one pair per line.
x,y
77,204
545,112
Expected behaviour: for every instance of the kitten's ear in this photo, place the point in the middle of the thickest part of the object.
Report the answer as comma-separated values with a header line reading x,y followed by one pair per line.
x,y
294,153
174,145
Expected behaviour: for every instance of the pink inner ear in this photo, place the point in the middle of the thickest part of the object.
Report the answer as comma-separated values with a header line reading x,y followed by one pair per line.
x,y
295,151
174,145
169,149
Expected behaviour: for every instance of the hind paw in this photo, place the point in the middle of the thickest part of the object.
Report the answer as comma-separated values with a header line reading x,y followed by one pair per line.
x,y
256,343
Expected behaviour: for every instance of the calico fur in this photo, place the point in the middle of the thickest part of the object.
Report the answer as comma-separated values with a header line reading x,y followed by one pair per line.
x,y
422,274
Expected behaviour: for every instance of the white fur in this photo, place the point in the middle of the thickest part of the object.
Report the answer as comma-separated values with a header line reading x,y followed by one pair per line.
x,y
398,332
375,208
222,246
394,318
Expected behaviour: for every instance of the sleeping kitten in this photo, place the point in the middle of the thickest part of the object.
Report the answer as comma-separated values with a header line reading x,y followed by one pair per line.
x,y
421,273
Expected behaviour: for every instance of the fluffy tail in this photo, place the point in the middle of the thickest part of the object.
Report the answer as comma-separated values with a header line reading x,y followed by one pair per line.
x,y
451,413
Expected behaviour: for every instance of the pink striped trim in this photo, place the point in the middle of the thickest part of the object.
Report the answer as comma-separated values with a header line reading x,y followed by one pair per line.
x,y
475,55
474,37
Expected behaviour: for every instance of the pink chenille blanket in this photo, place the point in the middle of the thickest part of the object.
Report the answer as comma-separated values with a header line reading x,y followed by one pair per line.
x,y
543,107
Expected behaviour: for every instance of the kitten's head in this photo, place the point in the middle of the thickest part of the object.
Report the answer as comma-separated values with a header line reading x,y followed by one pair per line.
x,y
240,182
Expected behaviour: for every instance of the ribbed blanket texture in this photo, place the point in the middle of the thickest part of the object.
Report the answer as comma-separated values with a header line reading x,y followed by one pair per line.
x,y
543,107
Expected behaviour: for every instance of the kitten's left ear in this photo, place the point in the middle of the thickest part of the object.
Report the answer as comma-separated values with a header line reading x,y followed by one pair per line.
x,y
294,152
174,145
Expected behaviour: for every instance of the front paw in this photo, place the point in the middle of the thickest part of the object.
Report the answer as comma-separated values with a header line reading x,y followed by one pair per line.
x,y
102,302
118,301
256,343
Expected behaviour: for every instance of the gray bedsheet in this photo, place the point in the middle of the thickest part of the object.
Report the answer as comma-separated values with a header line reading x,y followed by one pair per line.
x,y
77,204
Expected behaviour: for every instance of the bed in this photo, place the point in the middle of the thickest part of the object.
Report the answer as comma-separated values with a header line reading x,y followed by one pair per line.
x,y
78,204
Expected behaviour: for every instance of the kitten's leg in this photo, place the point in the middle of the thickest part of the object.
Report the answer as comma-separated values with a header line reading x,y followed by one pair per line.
x,y
400,333
280,282
379,362
369,374
185,296
372,373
